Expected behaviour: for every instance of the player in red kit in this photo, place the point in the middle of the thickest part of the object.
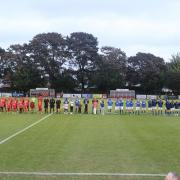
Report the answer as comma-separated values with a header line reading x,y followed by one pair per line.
x,y
26,105
15,104
32,106
21,105
40,103
9,104
3,104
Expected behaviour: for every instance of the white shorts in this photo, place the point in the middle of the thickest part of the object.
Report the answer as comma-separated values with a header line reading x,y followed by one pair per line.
x,y
153,108
65,106
121,107
137,108
109,107
117,108
127,108
172,109
160,108
102,108
149,109
143,108
94,110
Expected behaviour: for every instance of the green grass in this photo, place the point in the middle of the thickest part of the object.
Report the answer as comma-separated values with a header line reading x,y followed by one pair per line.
x,y
88,143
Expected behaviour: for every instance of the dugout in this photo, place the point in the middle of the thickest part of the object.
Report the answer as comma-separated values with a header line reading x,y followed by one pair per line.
x,y
122,93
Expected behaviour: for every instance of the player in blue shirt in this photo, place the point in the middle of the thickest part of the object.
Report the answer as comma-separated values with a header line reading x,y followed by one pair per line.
x,y
102,107
160,106
172,107
127,106
117,105
138,107
154,106
143,105
121,106
168,107
177,105
131,105
110,104
77,102
150,106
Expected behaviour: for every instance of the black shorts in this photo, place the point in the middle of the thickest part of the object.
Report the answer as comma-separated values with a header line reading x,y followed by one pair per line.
x,y
71,108
57,107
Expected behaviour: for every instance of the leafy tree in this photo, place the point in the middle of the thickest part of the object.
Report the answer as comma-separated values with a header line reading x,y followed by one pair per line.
x,y
147,71
7,65
173,73
2,63
49,53
84,52
111,69
25,73
66,83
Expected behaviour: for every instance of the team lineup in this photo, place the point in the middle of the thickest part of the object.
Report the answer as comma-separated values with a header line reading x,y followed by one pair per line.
x,y
94,106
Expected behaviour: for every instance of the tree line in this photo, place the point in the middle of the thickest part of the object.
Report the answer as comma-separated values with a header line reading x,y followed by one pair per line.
x,y
75,63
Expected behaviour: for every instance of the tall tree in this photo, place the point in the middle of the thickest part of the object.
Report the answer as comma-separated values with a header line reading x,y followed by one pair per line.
x,y
173,73
111,69
7,66
84,53
25,75
2,62
49,52
147,71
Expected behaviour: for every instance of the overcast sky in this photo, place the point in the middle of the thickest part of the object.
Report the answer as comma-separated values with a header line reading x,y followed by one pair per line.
x,y
132,25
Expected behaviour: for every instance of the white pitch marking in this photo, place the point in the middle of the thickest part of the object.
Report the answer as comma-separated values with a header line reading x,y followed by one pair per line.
x,y
21,131
78,174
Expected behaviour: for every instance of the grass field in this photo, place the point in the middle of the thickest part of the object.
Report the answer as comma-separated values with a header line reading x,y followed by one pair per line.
x,y
89,144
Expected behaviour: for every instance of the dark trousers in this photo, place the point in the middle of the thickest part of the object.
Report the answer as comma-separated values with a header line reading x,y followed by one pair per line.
x,y
86,109
52,109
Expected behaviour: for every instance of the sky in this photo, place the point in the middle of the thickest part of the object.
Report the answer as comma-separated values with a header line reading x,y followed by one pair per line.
x,y
150,26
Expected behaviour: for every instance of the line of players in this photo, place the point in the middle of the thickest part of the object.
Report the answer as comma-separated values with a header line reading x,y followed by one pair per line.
x,y
156,107
12,104
50,105
98,106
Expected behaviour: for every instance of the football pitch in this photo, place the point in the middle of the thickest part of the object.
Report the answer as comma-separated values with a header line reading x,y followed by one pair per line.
x,y
36,147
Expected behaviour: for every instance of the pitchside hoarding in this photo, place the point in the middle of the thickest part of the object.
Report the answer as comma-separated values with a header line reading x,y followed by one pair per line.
x,y
71,95
140,96
97,96
89,96
5,94
15,94
152,96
